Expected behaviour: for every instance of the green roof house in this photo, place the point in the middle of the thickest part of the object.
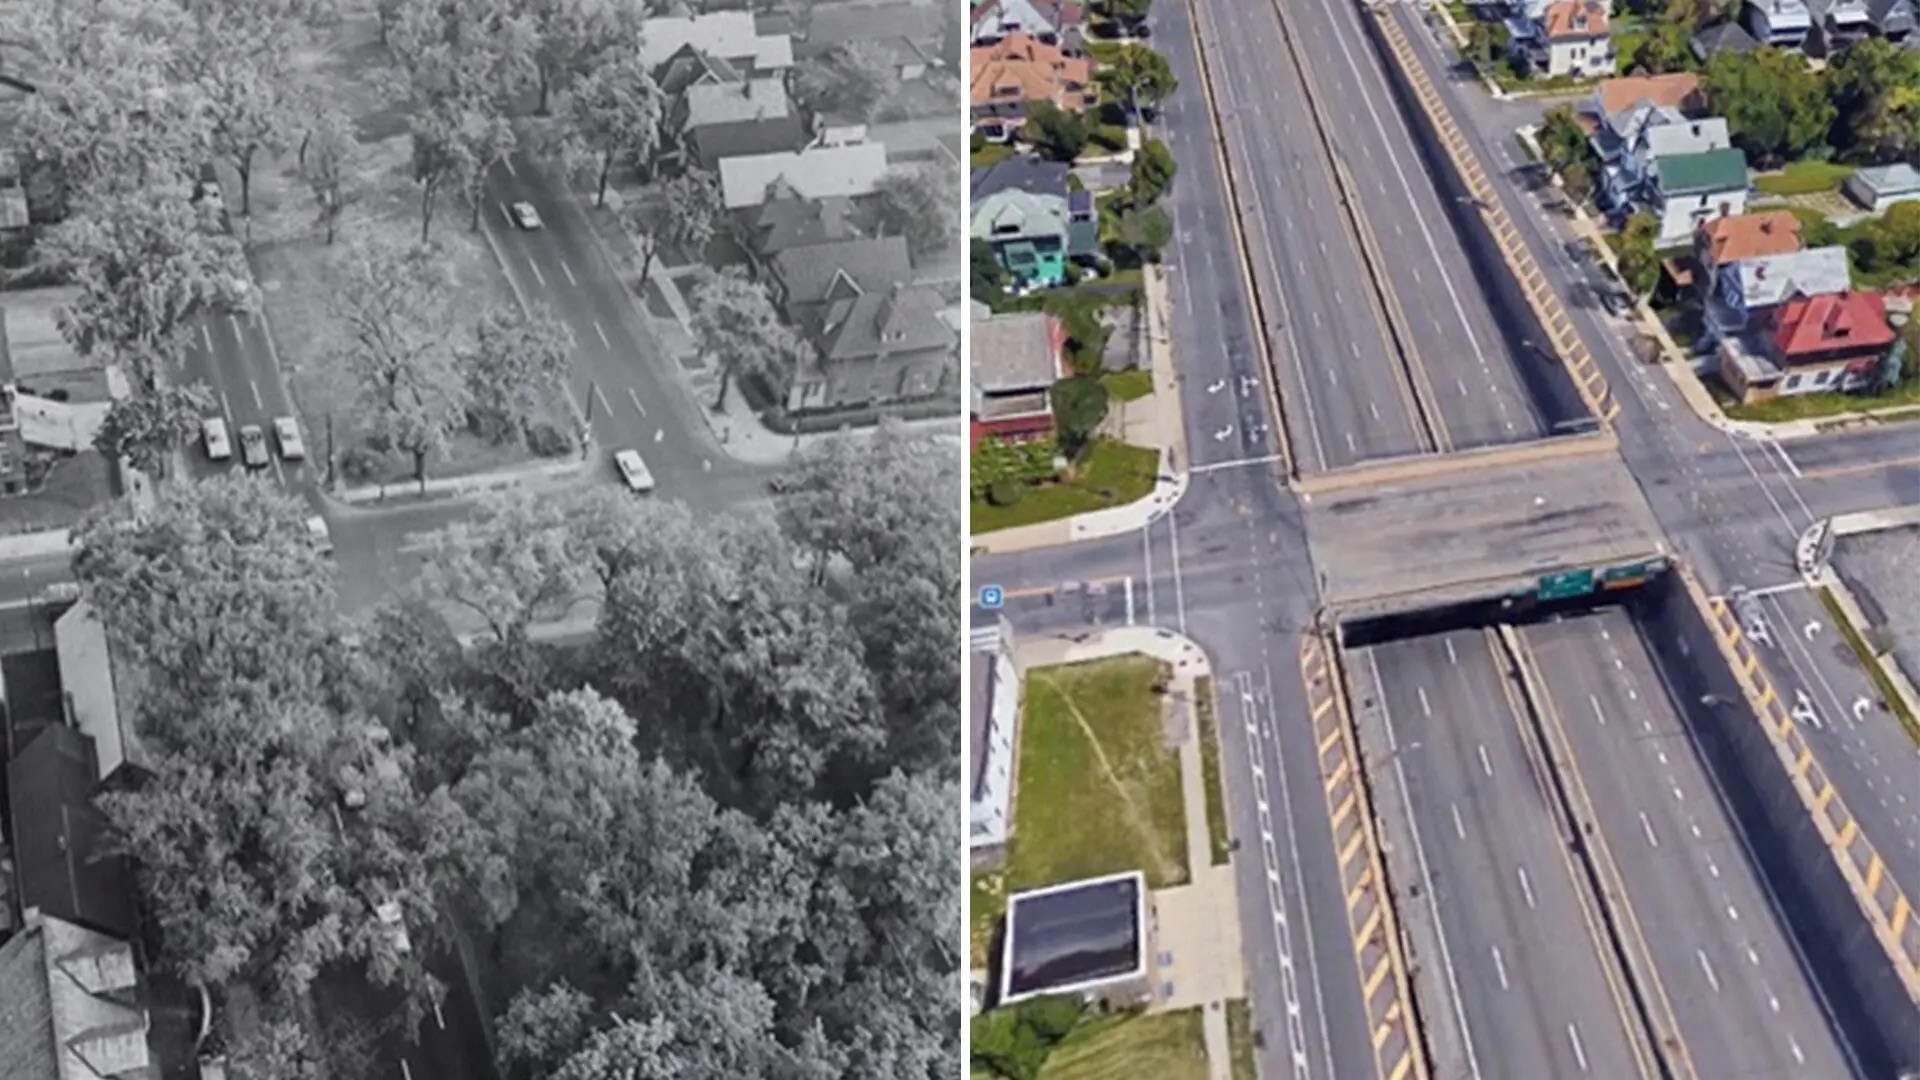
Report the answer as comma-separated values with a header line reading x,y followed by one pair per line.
x,y
1696,188
1036,237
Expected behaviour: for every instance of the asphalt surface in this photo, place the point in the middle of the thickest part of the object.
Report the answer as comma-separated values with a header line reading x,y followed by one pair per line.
x,y
1740,994
1523,952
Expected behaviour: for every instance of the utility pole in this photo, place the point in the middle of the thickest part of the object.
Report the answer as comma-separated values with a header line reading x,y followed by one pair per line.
x,y
586,425
332,479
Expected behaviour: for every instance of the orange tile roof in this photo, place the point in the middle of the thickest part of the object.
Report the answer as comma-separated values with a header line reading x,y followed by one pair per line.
x,y
1750,236
1020,67
1575,18
1849,321
1678,90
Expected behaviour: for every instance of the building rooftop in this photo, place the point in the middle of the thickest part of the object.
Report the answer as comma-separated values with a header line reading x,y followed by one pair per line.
x,y
1020,67
816,173
69,1001
1771,279
1020,172
1015,353
1566,19
902,318
1012,213
709,103
1679,91
1695,174
1899,178
1807,326
862,264
59,835
1750,236
1075,937
980,665
730,35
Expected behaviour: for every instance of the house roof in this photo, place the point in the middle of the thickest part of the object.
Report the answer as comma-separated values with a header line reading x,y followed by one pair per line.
x,y
1899,178
728,34
1750,236
58,834
794,222
1035,16
1685,137
1679,91
1012,353
1012,213
864,264
56,1022
815,173
1891,16
689,66
705,104
1695,174
1021,67
1806,326
1072,937
716,143
1021,172
1770,279
1568,19
903,318
1728,36
833,25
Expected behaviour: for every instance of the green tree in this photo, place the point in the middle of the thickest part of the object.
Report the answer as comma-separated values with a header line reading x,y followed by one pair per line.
x,y
1577,181
987,277
1128,13
1900,225
610,117
1055,132
1664,48
1639,264
1153,172
572,38
734,321
1875,89
1137,76
680,214
858,79
1145,232
147,428
514,369
1776,109
1079,405
1487,43
1562,140
921,204
327,157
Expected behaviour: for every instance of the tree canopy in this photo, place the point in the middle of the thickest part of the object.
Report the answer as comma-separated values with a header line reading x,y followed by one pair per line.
x,y
1776,108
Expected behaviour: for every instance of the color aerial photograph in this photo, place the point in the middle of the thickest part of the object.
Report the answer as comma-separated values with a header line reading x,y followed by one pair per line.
x,y
1443,515
481,530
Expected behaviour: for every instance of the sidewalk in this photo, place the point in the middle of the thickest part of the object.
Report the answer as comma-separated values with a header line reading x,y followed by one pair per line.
x,y
737,427
1155,421
1197,962
453,487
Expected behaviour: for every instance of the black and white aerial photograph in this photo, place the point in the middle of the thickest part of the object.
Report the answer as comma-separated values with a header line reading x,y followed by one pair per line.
x,y
480,539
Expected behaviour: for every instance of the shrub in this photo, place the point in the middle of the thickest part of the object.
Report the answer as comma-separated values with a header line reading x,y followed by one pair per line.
x,y
548,440
1005,492
361,464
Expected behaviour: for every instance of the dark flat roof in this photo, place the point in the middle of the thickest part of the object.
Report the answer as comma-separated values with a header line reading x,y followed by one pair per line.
x,y
58,834
1074,936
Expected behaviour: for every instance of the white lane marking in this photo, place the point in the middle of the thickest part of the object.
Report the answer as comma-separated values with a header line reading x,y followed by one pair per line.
x,y
1500,968
507,214
233,324
603,334
1713,867
1753,957
406,1071
1652,840
508,162
1733,913
206,335
1459,827
1678,795
1424,709
1452,657
568,270
1599,713
1707,969
1526,886
1794,1045
538,276
257,403
1579,1052
605,405
635,398
438,1018
1486,763
226,408
1236,463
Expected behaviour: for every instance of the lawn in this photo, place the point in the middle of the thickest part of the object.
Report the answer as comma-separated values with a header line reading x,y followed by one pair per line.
x,y
1875,672
1108,474
73,484
1240,1040
1204,704
1129,385
1804,178
1815,406
1099,789
1127,1046
291,259
987,153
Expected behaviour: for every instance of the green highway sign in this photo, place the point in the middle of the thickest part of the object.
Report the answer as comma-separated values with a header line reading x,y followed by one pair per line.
x,y
1565,585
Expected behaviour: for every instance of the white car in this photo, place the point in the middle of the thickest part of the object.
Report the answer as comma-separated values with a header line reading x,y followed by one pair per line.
x,y
287,434
525,216
322,538
633,470
213,430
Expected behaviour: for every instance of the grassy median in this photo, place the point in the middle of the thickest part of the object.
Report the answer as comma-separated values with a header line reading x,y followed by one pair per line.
x,y
1126,1046
1108,474
1204,709
1875,671
1240,1040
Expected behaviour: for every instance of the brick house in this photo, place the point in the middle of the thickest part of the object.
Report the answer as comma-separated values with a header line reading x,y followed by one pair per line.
x,y
1019,69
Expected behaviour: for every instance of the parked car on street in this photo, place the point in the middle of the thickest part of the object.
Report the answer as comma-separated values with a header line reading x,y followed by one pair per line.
x,y
253,447
213,432
525,216
633,470
287,433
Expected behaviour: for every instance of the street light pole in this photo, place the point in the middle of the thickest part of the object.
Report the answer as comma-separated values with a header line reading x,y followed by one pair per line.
x,y
586,424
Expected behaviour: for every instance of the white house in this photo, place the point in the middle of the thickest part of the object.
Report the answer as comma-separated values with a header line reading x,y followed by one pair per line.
x,y
993,704
1881,186
1749,288
815,173
1570,37
1694,188
1631,177
728,35
1783,24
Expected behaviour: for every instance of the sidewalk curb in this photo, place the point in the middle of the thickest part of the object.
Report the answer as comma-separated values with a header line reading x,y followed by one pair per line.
x,y
454,487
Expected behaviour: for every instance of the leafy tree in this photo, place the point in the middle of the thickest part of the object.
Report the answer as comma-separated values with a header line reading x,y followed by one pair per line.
x,y
922,205
572,38
436,159
246,95
1126,12
1562,140
390,302
1055,132
1138,76
855,79
1577,181
517,364
1875,90
1087,333
1663,49
1145,232
734,322
215,592
327,155
1015,1042
679,213
1900,226
988,278
482,138
1079,406
1153,172
1776,109
1639,263
610,116
1487,43
145,264
147,428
